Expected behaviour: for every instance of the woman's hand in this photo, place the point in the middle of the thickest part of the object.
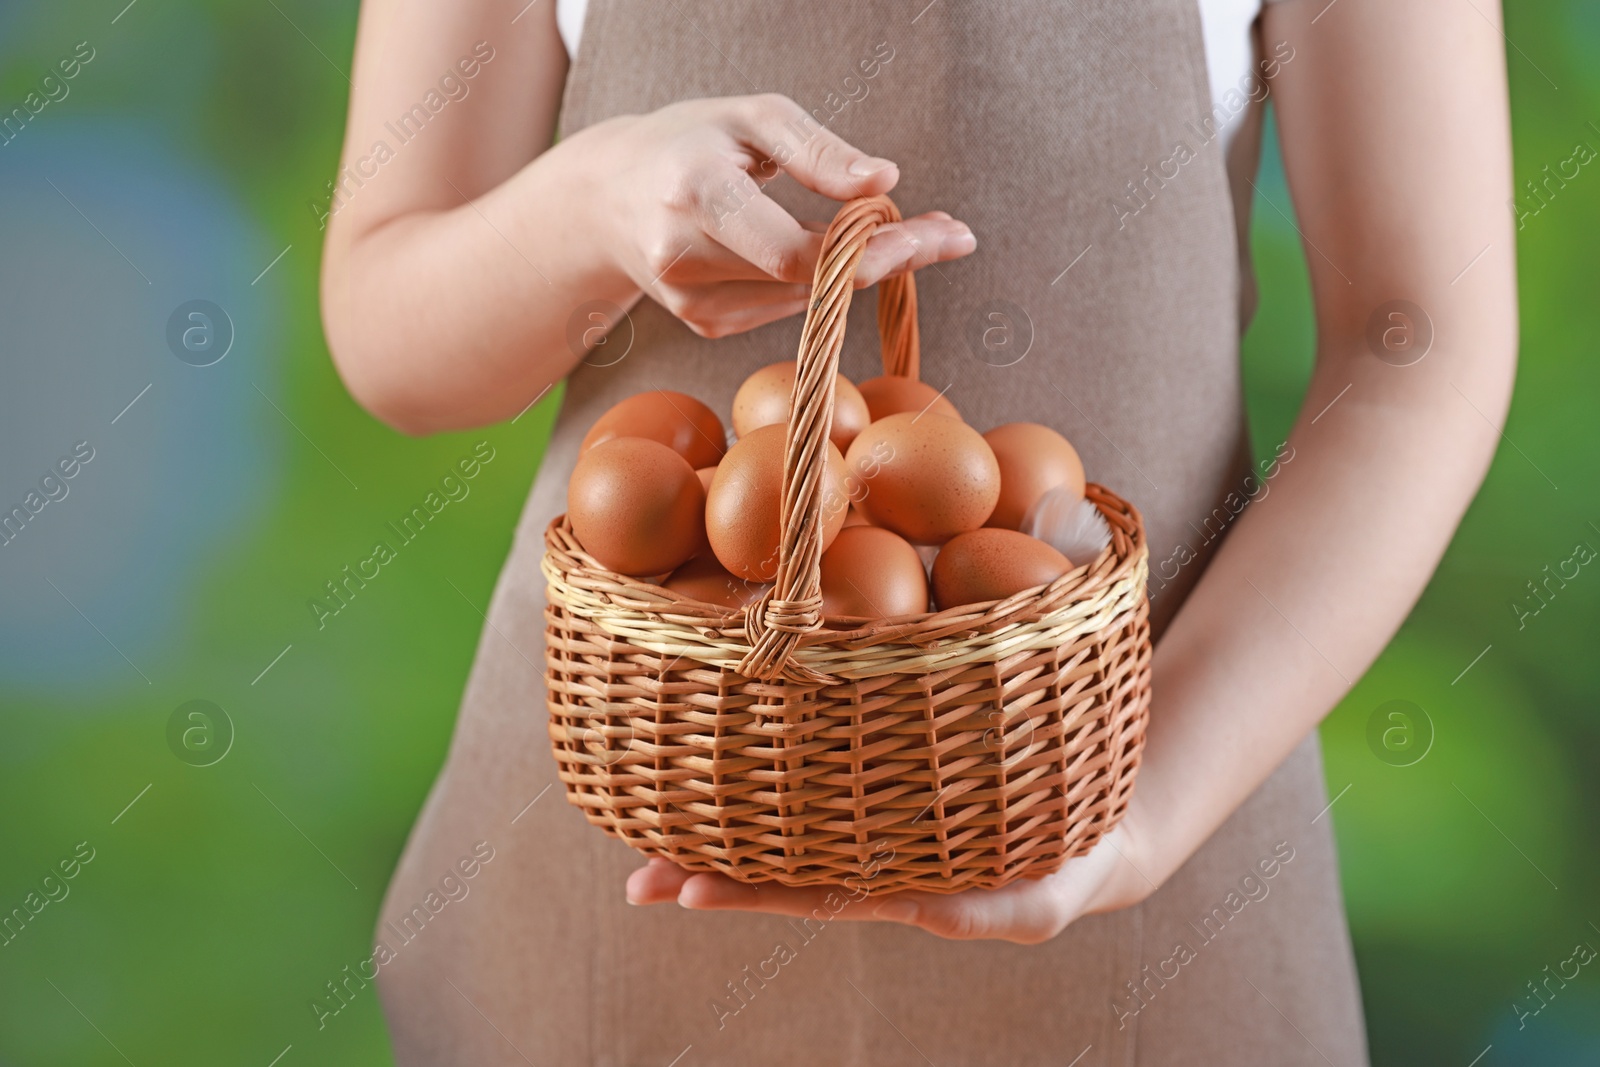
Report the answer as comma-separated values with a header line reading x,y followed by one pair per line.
x,y
1027,912
457,264
676,197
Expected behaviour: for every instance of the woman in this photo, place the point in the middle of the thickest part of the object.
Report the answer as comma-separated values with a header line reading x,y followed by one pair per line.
x,y
1098,156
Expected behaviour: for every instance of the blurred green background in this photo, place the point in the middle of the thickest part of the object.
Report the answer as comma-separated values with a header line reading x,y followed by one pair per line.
x,y
220,899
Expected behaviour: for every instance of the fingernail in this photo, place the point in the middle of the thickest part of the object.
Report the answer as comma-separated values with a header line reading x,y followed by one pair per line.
x,y
958,244
896,911
868,165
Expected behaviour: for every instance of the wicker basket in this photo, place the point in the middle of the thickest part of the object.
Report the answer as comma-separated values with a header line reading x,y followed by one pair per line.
x,y
940,752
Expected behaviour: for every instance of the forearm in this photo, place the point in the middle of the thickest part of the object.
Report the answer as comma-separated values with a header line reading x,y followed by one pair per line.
x,y
1382,101
441,319
1316,576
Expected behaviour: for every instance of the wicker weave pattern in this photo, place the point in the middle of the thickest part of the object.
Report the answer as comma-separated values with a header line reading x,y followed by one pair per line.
x,y
944,751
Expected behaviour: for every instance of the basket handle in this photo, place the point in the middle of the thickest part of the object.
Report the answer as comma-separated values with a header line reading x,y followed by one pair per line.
x,y
793,606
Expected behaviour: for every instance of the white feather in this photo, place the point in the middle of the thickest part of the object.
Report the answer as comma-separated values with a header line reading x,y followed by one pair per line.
x,y
1069,524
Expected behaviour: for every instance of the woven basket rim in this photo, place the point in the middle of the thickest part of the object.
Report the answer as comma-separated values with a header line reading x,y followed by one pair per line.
x,y
1095,592
1115,561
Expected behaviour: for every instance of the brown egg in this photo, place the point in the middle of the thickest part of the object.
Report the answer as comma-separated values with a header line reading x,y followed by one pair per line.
x,y
742,508
705,474
1033,460
706,580
992,564
926,477
676,420
871,573
892,394
765,398
636,506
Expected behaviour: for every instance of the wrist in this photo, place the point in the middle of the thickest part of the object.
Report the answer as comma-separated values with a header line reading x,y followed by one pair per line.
x,y
572,188
596,217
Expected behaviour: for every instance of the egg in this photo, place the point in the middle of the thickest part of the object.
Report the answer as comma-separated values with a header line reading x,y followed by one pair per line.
x,y
705,474
706,580
1033,461
991,564
926,477
742,508
766,397
853,517
871,573
892,394
676,420
636,506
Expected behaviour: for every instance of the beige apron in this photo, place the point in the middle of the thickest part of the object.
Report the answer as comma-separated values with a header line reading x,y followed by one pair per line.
x,y
1029,120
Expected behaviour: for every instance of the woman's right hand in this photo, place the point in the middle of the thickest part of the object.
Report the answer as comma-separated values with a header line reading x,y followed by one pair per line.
x,y
458,263
675,196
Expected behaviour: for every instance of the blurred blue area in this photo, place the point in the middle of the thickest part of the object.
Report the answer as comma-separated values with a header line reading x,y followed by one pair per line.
x,y
108,230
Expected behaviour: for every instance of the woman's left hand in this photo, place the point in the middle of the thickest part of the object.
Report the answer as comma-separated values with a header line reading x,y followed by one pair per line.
x,y
1027,912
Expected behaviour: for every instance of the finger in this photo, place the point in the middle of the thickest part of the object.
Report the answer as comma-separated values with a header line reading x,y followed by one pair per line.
x,y
784,135
753,227
746,234
908,245
723,308
1023,912
911,245
695,260
818,226
657,882
1026,912
756,316
715,892
762,233
821,226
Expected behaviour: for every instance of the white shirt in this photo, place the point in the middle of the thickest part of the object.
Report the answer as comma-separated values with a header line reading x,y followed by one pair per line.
x,y
1225,24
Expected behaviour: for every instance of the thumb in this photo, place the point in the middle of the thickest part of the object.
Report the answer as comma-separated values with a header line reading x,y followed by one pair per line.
x,y
787,137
